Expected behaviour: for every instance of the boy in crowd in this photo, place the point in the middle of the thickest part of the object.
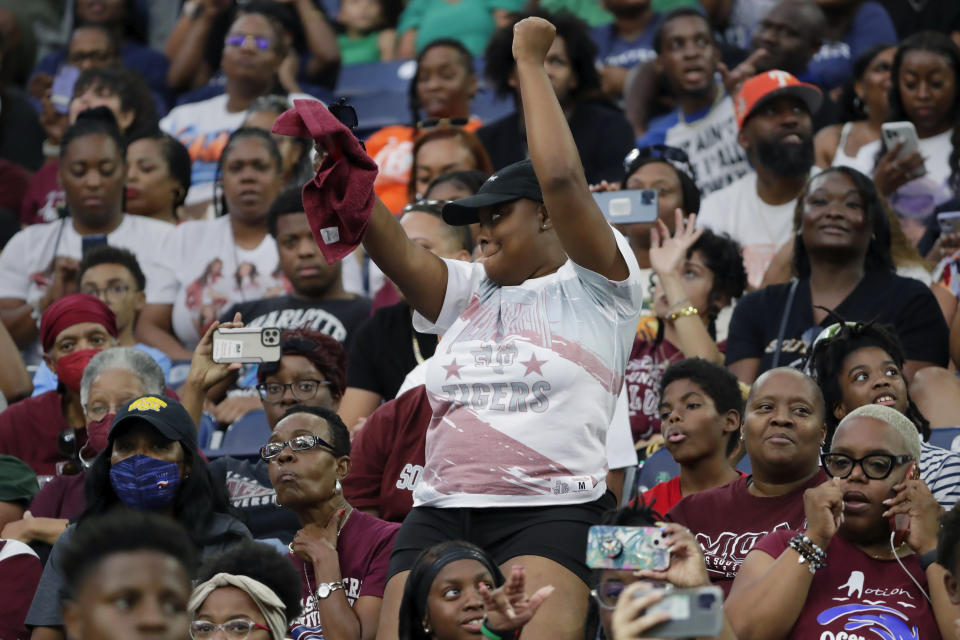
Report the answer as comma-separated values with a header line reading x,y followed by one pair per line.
x,y
700,413
703,124
127,576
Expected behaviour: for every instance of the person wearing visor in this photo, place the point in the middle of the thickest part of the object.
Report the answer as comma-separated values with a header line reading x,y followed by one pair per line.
x,y
73,330
151,463
525,379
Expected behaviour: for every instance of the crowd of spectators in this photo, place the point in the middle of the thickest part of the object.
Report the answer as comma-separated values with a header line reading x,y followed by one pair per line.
x,y
476,362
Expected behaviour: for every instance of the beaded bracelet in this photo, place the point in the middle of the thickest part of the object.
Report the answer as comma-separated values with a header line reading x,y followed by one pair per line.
x,y
496,634
683,313
809,551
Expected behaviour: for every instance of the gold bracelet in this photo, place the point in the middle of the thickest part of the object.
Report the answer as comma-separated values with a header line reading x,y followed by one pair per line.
x,y
683,313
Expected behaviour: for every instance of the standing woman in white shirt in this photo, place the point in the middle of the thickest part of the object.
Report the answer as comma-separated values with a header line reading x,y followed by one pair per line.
x,y
525,379
209,262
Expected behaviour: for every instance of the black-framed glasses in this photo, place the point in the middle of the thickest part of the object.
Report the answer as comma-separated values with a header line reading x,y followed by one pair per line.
x,y
431,206
110,293
238,40
433,123
301,389
672,155
876,466
236,629
304,442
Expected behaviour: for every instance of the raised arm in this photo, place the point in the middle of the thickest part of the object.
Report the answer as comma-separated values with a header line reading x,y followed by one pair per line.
x,y
420,275
583,232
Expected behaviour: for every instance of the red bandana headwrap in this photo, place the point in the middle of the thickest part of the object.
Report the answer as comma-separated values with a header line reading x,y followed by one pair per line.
x,y
74,309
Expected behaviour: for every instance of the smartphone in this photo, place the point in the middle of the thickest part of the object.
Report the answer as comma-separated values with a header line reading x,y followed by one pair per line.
x,y
900,523
629,548
896,132
61,93
628,206
91,242
694,613
949,221
246,345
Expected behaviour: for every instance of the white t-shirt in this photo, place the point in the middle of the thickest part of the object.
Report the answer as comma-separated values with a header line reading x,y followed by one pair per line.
x,y
620,451
523,385
26,263
204,128
918,198
760,228
202,277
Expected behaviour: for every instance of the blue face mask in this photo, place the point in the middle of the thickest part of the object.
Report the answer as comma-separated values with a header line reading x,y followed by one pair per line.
x,y
144,483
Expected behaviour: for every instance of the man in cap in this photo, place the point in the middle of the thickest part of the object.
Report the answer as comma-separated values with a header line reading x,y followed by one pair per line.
x,y
774,116
19,564
72,330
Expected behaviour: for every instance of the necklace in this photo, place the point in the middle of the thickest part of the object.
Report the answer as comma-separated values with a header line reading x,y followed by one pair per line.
x,y
875,556
416,355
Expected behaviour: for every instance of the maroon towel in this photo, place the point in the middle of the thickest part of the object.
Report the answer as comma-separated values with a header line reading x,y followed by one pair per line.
x,y
340,197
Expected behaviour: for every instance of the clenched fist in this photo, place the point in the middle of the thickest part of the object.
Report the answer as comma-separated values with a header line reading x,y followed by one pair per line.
x,y
532,38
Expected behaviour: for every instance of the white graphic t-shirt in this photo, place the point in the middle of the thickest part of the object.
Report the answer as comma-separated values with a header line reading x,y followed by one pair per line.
x,y
26,264
709,137
523,385
204,128
205,273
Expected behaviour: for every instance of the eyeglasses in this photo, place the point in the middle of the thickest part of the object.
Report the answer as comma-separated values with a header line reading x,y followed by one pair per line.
x,y
236,629
98,411
301,389
677,158
239,40
433,123
110,293
876,466
607,593
431,206
271,450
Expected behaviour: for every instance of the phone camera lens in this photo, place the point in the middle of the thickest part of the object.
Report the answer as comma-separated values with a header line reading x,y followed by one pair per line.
x,y
706,600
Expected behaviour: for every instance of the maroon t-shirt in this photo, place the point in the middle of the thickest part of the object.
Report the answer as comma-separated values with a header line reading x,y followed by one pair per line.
x,y
388,455
29,430
858,597
44,196
363,549
729,520
20,569
61,497
648,361
13,186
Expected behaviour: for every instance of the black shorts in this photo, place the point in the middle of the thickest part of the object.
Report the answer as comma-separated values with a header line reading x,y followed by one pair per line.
x,y
558,533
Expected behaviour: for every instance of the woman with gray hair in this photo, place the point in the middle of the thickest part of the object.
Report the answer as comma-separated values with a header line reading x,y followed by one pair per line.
x,y
866,559
112,378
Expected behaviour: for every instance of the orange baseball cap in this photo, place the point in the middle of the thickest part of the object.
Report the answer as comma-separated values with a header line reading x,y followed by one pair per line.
x,y
773,84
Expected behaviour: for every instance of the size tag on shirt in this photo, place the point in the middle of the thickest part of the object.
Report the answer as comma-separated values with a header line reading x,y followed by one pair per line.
x,y
227,349
571,484
330,235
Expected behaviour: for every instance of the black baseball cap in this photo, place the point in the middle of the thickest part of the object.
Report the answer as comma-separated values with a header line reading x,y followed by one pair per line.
x,y
164,414
513,182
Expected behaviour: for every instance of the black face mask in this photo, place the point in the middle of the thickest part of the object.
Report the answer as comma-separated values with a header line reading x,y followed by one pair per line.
x,y
787,160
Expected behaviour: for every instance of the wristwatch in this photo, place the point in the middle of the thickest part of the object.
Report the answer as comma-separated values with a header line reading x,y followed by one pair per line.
x,y
324,589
